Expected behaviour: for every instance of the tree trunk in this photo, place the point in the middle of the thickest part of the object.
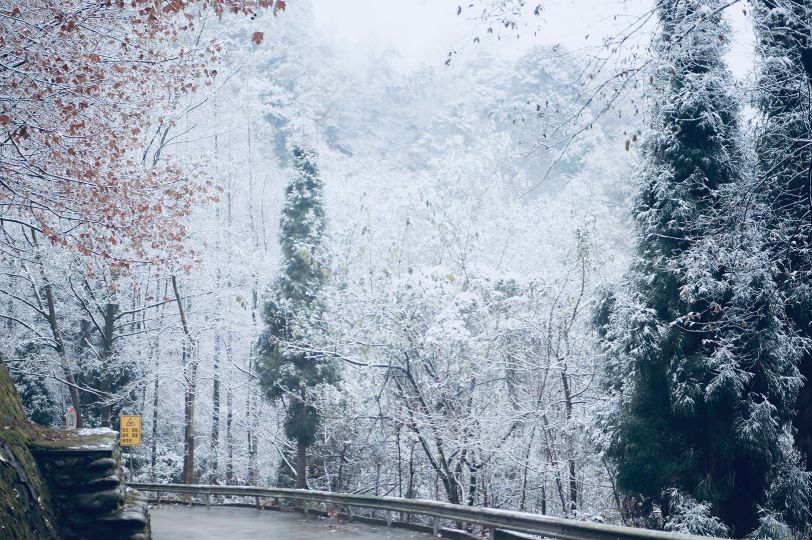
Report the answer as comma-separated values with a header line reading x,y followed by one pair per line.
x,y
252,404
554,462
107,354
215,411
249,415
522,504
410,485
59,344
473,480
400,464
189,420
229,439
573,483
64,362
153,457
340,479
615,494
301,466
229,421
190,375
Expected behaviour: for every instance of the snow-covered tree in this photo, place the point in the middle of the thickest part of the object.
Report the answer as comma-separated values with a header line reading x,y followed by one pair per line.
x,y
288,374
784,161
701,360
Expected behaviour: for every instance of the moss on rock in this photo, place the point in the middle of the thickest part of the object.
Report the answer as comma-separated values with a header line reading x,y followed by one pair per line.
x,y
25,509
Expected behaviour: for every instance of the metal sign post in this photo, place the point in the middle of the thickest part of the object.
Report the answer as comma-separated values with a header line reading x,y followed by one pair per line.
x,y
130,433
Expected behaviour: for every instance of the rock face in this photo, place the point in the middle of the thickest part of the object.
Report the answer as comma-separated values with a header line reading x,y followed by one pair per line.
x,y
62,487
25,509
87,489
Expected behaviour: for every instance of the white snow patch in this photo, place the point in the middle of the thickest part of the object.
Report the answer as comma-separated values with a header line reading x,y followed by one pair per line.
x,y
84,432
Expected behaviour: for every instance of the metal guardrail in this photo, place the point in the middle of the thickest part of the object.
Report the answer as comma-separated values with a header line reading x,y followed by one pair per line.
x,y
491,518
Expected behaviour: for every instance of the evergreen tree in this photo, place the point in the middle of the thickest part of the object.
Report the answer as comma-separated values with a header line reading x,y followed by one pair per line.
x,y
699,357
784,166
287,373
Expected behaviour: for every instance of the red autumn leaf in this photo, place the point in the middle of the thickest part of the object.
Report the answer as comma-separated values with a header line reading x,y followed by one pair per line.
x,y
93,79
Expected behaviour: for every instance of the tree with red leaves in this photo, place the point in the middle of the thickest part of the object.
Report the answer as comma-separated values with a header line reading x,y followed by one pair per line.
x,y
87,101
88,88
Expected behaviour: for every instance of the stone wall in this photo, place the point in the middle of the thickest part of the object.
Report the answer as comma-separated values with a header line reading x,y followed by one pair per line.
x,y
88,494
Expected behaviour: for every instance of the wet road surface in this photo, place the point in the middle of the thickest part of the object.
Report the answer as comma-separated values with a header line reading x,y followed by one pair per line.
x,y
186,523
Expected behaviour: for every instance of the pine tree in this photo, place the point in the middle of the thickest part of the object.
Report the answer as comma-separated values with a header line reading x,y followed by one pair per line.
x,y
287,373
699,356
784,166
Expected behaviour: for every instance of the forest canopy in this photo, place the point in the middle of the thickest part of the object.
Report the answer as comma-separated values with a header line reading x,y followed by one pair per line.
x,y
438,251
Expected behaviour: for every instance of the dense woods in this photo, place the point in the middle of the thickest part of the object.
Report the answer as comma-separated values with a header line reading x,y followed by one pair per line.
x,y
707,377
519,274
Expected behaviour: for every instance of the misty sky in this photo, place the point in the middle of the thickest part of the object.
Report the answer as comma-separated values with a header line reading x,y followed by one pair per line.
x,y
424,31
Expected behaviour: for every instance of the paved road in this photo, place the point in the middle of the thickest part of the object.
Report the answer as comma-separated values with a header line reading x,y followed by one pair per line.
x,y
186,523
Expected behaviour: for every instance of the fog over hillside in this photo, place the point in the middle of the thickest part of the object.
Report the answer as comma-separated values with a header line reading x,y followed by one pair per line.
x,y
550,257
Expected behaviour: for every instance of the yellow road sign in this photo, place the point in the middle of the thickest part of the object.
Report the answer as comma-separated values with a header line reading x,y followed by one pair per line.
x,y
130,430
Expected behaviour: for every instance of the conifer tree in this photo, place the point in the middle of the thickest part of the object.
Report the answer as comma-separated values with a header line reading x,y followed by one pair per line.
x,y
784,168
699,356
286,373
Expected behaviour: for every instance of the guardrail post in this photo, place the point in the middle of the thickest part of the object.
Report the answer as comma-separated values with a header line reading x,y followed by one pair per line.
x,y
388,518
349,513
257,501
208,500
306,507
158,497
435,526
